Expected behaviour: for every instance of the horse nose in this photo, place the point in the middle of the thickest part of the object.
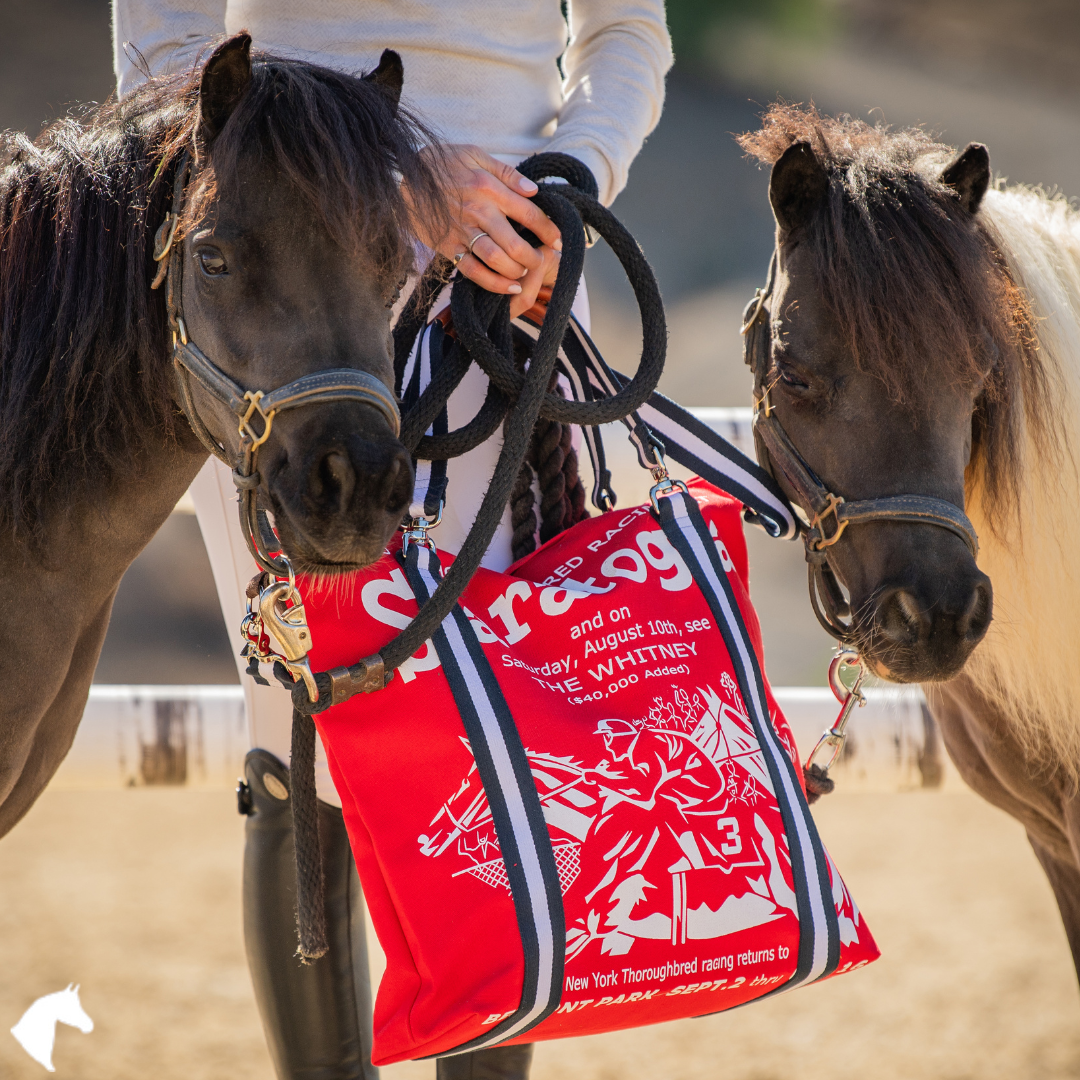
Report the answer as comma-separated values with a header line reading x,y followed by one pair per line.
x,y
338,478
384,478
974,620
396,488
960,617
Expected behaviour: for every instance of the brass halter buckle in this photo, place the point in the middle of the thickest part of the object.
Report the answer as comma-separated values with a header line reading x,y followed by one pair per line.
x,y
834,502
254,398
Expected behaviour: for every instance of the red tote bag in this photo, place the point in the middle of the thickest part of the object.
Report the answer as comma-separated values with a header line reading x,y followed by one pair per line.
x,y
578,807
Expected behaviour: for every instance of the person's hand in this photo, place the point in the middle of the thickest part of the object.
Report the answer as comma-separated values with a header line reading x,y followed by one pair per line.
x,y
481,242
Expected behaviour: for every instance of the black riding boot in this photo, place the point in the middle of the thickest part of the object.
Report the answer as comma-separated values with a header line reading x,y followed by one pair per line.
x,y
317,1017
498,1063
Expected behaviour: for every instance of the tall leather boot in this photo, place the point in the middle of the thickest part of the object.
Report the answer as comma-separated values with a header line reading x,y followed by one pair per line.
x,y
316,1017
498,1063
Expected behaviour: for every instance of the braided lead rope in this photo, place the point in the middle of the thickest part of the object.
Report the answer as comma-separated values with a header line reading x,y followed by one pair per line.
x,y
482,323
482,326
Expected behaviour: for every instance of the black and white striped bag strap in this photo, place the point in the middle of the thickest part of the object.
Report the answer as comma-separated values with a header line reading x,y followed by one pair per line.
x,y
515,808
687,440
819,935
429,490
517,815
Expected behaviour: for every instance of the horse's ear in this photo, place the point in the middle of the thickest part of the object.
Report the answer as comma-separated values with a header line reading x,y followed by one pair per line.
x,y
969,176
797,187
225,76
388,76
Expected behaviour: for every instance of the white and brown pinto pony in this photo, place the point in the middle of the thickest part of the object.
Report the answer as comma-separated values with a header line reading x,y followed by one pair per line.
x,y
924,339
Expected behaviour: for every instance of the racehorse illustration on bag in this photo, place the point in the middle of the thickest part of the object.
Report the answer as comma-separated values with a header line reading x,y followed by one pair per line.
x,y
710,867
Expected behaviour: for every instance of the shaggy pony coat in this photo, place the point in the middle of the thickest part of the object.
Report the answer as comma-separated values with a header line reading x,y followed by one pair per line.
x,y
996,297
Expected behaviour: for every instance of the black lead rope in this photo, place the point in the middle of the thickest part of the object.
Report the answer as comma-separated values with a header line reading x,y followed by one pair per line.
x,y
520,398
483,336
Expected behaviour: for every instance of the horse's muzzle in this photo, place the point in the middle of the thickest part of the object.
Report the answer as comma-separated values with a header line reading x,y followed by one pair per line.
x,y
338,499
924,628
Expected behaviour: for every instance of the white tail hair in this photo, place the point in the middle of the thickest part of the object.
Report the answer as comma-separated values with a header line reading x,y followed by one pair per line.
x,y
1029,662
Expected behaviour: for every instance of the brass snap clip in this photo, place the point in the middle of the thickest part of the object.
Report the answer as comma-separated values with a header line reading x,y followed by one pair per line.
x,y
831,742
663,485
288,625
270,618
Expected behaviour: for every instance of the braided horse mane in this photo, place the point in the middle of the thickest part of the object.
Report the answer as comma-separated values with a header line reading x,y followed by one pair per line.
x,y
85,374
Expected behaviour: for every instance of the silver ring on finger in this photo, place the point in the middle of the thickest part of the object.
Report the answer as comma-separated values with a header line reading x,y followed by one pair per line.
x,y
472,242
458,256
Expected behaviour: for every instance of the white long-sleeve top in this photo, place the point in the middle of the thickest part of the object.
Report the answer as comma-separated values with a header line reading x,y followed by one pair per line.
x,y
475,72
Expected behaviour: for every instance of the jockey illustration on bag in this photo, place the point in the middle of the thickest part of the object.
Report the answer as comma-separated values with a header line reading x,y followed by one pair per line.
x,y
665,832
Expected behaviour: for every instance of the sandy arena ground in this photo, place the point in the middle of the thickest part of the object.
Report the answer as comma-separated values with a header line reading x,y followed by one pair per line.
x,y
135,894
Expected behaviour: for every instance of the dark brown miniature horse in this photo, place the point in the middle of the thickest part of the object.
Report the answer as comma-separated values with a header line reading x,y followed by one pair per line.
x,y
295,237
925,340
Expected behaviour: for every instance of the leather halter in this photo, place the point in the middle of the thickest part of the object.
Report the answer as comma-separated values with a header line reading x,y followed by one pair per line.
x,y
829,514
189,361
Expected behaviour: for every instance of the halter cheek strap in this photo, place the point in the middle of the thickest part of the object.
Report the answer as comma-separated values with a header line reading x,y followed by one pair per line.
x,y
828,513
254,409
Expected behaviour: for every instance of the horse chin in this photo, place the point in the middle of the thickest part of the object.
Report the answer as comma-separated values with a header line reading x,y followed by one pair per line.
x,y
912,665
330,561
315,566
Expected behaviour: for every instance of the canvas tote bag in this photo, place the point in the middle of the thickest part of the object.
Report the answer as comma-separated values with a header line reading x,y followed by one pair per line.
x,y
578,807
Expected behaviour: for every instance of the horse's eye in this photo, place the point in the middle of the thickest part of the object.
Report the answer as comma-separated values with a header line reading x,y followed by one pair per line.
x,y
212,263
789,378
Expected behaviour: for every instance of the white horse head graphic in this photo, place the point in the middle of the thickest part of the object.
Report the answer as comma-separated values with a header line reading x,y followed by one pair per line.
x,y
36,1031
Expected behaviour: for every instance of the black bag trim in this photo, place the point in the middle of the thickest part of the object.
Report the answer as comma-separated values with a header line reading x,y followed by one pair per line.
x,y
819,933
430,486
516,812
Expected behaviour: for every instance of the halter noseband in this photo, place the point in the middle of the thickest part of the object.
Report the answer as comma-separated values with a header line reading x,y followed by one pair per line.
x,y
189,361
777,454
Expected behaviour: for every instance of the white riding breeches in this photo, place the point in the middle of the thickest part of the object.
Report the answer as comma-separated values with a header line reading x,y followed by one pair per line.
x,y
269,708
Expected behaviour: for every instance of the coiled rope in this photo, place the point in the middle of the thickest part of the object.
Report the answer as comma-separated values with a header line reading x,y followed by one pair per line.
x,y
536,419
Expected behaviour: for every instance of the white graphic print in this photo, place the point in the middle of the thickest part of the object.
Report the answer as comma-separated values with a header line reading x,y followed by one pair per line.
x,y
36,1030
666,831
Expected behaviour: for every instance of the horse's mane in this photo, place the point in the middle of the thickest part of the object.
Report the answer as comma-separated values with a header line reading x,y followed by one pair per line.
x,y
85,378
1027,666
909,274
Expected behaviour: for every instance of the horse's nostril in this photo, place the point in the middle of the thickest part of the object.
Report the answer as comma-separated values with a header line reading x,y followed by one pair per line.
x,y
975,619
398,483
902,618
338,476
908,619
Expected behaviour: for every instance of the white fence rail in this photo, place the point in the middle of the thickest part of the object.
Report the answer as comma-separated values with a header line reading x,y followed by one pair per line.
x,y
196,736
